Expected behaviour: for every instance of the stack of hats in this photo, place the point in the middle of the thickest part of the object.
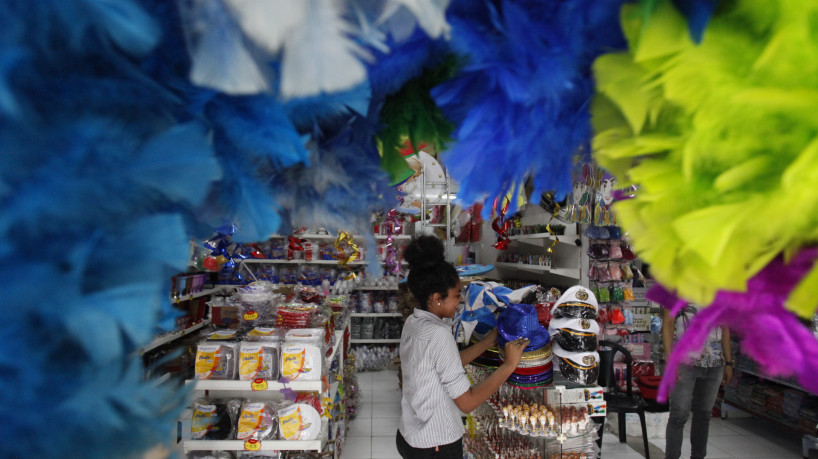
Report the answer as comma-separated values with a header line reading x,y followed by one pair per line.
x,y
535,368
575,332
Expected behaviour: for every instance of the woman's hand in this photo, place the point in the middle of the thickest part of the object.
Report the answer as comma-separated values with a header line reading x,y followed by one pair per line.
x,y
514,351
491,338
728,374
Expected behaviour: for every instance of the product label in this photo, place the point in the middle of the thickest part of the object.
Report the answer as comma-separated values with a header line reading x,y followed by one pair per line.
x,y
250,420
260,331
222,335
258,384
250,361
207,360
250,315
202,420
252,445
292,423
293,362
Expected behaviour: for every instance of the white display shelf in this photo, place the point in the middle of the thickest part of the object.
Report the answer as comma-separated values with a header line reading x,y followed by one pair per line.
x,y
567,239
376,314
264,445
308,262
565,272
272,386
205,292
388,289
164,339
333,237
374,341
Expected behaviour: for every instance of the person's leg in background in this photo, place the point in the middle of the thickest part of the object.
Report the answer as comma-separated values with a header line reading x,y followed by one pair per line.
x,y
680,399
704,397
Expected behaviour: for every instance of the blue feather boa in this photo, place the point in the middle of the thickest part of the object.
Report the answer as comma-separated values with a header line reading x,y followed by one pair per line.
x,y
521,101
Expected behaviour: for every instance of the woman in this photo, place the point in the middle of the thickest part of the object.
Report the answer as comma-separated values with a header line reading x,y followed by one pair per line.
x,y
697,384
435,386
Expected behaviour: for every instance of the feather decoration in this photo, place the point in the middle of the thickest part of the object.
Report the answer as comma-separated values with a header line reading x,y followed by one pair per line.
x,y
342,186
221,59
319,55
758,318
715,135
430,15
521,100
412,112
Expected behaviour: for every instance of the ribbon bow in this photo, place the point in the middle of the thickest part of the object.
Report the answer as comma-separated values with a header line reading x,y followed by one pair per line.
x,y
500,225
340,253
392,226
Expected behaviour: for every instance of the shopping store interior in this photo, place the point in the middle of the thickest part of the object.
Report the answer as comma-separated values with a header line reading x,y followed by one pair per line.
x,y
219,220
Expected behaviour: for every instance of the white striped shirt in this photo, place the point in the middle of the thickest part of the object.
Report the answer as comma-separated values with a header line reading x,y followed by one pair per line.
x,y
433,377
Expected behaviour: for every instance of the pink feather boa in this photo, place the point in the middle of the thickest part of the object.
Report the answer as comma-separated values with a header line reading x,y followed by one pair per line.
x,y
770,334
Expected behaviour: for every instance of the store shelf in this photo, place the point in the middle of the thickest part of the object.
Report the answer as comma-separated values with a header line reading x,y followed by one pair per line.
x,y
388,289
736,404
791,384
567,239
374,341
564,272
272,386
164,339
400,237
376,314
263,445
333,237
205,292
307,262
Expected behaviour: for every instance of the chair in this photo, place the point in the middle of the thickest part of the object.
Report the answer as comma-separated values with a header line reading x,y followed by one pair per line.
x,y
620,402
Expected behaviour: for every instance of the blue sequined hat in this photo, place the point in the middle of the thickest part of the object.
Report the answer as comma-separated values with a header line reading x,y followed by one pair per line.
x,y
520,321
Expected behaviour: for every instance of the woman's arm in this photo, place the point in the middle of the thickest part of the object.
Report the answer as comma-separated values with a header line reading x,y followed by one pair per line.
x,y
474,351
478,394
668,329
728,355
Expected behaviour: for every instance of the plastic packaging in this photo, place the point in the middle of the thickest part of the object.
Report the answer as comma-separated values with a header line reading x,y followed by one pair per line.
x,y
257,421
578,367
258,360
577,335
216,360
302,362
214,419
299,421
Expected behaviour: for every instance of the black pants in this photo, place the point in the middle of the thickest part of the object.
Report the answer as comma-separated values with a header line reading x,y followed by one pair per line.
x,y
450,451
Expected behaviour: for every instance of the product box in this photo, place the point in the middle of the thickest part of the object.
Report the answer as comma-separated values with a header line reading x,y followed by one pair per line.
x,y
595,407
573,395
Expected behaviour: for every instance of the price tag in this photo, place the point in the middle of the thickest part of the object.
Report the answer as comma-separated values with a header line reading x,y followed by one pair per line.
x,y
252,445
258,384
250,315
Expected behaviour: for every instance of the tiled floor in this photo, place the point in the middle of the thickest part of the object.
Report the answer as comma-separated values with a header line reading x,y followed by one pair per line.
x,y
371,434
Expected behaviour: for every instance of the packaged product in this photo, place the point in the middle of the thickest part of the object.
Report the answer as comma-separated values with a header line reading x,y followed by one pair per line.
x,y
577,335
578,367
214,419
257,421
299,421
302,362
216,360
258,360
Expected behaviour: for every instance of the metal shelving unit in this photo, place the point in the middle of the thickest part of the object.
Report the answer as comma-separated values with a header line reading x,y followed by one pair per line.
x,y
262,445
564,272
376,314
374,341
165,339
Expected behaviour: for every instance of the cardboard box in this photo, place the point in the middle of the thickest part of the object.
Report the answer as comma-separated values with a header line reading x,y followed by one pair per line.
x,y
595,407
573,395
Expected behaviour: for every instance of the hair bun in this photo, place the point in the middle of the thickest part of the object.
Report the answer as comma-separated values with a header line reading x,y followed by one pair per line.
x,y
424,252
